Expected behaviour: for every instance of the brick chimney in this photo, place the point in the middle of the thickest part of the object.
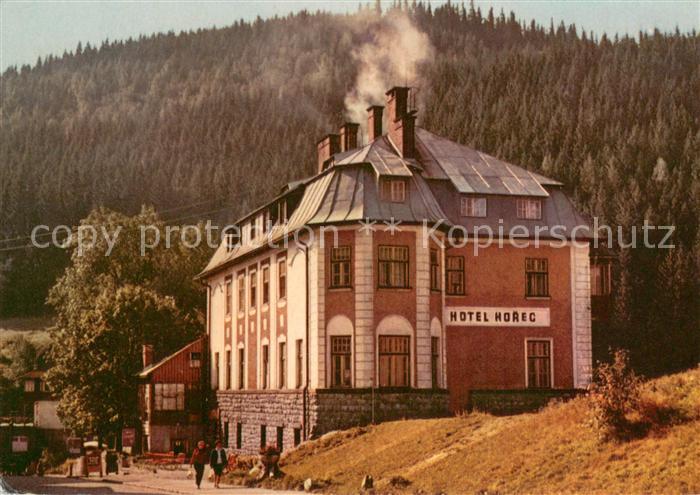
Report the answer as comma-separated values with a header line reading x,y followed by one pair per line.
x,y
402,121
348,136
374,122
327,147
147,355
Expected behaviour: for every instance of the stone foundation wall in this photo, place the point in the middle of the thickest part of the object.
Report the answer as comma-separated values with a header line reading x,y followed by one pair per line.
x,y
254,408
335,410
328,410
505,402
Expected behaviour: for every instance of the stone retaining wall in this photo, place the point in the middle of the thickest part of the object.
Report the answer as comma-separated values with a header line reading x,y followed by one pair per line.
x,y
505,402
282,412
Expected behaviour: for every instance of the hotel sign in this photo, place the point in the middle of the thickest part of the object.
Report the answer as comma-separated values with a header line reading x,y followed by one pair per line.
x,y
465,316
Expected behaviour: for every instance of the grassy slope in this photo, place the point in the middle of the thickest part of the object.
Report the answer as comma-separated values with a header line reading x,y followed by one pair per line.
x,y
551,451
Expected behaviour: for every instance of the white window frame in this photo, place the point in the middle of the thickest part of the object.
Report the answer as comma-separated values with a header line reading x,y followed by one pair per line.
x,y
529,208
473,206
179,396
551,361
394,190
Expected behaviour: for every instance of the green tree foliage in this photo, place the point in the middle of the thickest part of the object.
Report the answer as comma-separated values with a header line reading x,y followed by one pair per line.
x,y
18,355
107,307
230,114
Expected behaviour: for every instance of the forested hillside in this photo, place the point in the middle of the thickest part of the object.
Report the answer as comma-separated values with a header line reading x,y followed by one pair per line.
x,y
210,123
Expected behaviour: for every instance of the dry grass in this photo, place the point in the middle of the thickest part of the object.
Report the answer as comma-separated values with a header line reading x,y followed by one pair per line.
x,y
553,451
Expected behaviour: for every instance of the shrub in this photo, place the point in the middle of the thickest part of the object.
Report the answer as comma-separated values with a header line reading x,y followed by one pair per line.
x,y
615,394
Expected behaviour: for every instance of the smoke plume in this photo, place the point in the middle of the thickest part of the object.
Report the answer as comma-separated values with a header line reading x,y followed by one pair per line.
x,y
391,56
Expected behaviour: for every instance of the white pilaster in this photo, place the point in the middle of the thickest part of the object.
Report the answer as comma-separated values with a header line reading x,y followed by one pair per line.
x,y
423,371
364,310
581,316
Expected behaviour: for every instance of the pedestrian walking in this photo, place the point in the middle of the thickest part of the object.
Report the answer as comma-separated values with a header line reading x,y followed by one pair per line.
x,y
200,456
217,461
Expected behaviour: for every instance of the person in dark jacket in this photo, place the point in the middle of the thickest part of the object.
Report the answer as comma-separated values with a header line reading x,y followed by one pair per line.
x,y
217,461
200,456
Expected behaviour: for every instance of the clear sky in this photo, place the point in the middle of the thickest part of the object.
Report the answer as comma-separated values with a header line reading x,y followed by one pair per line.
x,y
30,28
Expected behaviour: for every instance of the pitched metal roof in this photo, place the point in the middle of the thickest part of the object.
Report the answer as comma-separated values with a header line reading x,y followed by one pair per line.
x,y
472,171
313,195
348,190
353,194
382,155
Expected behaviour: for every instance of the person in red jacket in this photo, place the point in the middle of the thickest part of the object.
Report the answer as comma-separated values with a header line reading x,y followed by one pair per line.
x,y
200,457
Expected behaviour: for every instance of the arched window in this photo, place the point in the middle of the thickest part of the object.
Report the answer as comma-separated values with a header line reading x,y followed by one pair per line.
x,y
394,352
340,344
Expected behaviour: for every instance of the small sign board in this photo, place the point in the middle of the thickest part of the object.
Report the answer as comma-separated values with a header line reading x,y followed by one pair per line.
x,y
472,316
20,443
75,445
93,460
128,437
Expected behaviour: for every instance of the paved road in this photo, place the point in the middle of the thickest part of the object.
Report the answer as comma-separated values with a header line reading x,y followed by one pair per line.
x,y
135,483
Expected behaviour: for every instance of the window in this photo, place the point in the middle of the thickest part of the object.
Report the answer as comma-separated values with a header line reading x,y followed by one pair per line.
x,y
217,371
253,229
600,279
266,285
394,361
394,190
241,292
266,222
282,212
231,238
169,397
241,368
297,436
340,266
341,362
239,435
282,379
539,364
434,270
228,293
280,438
473,207
29,386
455,275
263,436
393,266
282,278
228,370
195,359
43,386
537,277
300,362
435,361
265,366
225,434
253,288
529,209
